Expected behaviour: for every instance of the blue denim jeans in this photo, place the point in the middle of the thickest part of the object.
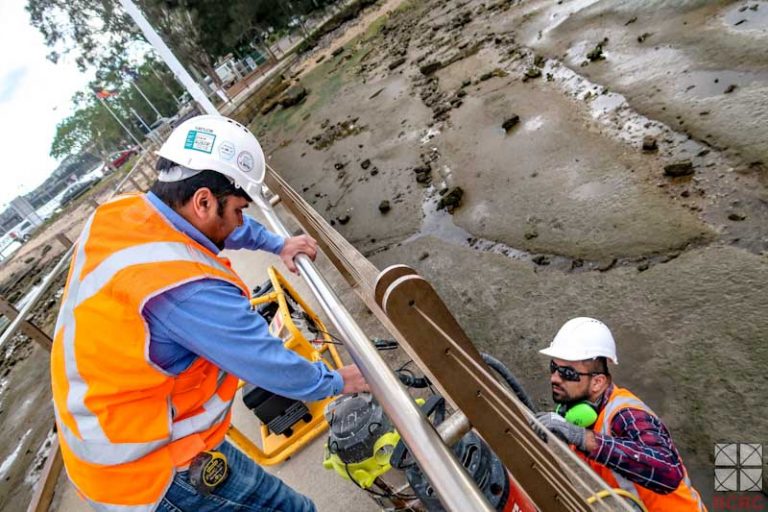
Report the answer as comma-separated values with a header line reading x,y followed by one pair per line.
x,y
248,488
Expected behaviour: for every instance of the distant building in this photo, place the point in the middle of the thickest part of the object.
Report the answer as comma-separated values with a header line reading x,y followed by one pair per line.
x,y
68,170
27,212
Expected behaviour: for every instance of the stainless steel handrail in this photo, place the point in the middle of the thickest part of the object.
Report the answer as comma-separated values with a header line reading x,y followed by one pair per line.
x,y
457,491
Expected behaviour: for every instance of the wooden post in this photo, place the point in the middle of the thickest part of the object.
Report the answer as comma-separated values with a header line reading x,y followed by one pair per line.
x,y
146,175
43,496
27,327
135,184
65,241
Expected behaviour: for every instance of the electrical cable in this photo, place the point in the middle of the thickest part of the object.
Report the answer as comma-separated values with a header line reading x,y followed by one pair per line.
x,y
510,379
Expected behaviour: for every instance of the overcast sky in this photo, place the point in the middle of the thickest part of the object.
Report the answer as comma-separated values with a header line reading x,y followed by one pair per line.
x,y
35,95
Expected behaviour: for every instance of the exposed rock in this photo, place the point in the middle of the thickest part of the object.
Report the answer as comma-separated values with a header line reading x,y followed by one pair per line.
x,y
428,69
642,37
365,163
532,72
374,171
677,169
269,107
441,109
607,265
343,219
531,232
397,63
338,51
461,20
451,200
649,143
497,72
424,178
423,174
540,260
335,132
293,96
384,206
423,256
736,216
510,122
376,93
339,166
730,89
597,52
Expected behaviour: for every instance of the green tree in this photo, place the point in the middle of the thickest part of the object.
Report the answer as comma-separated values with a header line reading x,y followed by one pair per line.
x,y
99,32
88,126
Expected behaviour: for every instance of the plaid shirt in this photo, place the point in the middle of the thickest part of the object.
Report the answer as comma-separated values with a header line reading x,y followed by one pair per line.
x,y
640,449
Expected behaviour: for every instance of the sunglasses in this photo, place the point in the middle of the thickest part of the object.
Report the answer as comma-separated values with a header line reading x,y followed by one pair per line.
x,y
569,372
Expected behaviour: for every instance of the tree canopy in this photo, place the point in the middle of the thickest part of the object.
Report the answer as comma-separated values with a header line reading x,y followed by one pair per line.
x,y
91,125
99,33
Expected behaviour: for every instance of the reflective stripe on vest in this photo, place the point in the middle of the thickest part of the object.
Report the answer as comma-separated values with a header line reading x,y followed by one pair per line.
x,y
98,449
101,507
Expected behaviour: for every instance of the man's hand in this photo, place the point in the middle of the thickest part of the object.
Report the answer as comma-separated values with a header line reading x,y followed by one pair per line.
x,y
568,432
354,382
303,244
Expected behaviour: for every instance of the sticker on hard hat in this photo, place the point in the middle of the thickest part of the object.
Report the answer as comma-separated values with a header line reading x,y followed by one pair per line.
x,y
199,141
226,150
245,161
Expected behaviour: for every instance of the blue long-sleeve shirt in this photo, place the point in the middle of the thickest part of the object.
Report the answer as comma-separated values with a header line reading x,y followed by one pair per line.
x,y
212,319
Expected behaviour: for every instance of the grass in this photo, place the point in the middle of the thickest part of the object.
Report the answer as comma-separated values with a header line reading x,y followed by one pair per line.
x,y
324,82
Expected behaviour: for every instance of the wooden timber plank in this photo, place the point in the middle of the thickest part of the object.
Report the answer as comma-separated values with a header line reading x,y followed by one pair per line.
x,y
388,276
43,496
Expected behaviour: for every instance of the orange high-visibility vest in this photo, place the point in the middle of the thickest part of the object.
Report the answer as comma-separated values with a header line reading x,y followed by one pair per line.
x,y
683,499
124,424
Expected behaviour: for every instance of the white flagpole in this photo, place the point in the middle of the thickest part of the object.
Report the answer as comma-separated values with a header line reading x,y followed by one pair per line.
x,y
130,134
170,59
157,112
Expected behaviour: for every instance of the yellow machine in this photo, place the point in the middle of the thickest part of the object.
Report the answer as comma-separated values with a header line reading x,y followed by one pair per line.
x,y
292,320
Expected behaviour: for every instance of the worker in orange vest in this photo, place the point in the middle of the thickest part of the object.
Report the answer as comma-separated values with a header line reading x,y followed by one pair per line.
x,y
155,329
617,434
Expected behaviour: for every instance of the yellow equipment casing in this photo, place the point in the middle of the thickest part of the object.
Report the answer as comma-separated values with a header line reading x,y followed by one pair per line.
x,y
275,448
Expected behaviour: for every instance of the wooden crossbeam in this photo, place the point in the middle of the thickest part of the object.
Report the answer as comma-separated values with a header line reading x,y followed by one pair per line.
x,y
27,327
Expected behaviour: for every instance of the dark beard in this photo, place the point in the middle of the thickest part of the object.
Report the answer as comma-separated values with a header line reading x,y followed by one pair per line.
x,y
568,401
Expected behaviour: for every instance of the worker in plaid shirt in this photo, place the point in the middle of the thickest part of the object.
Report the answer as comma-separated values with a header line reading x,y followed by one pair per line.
x,y
611,429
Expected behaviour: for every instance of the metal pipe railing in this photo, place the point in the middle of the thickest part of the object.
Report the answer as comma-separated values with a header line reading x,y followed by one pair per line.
x,y
16,323
457,491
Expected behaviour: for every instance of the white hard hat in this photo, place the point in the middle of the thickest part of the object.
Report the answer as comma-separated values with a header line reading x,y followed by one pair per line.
x,y
580,339
215,143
